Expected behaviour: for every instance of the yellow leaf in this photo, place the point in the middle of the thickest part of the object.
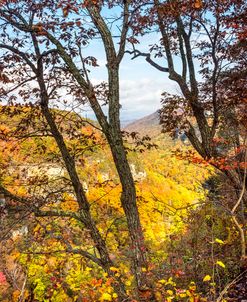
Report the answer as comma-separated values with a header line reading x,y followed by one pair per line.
x,y
113,269
114,295
219,241
206,278
158,296
171,282
220,263
106,297
182,295
192,286
162,281
169,292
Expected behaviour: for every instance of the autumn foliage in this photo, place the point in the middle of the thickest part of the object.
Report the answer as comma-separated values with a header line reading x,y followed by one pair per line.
x,y
90,212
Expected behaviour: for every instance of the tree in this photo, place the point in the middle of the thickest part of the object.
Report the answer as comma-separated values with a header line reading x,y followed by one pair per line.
x,y
41,45
203,45
50,252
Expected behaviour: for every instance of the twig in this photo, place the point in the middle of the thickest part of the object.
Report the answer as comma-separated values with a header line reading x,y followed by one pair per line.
x,y
243,188
22,290
224,291
241,230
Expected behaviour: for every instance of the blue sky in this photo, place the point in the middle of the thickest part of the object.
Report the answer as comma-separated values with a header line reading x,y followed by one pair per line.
x,y
141,84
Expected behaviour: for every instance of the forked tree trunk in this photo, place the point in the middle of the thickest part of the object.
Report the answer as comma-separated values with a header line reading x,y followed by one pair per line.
x,y
112,131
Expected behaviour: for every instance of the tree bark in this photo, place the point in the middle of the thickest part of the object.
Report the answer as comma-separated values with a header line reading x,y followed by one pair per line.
x,y
128,202
85,214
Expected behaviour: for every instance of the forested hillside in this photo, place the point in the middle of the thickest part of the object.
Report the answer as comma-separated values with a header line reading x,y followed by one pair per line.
x,y
181,222
91,211
148,125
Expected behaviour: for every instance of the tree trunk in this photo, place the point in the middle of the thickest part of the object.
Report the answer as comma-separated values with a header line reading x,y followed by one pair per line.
x,y
128,201
84,206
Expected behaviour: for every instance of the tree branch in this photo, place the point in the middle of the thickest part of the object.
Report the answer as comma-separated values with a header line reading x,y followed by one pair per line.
x,y
57,213
88,88
182,52
20,54
69,250
12,196
138,53
243,188
104,32
17,86
124,32
35,209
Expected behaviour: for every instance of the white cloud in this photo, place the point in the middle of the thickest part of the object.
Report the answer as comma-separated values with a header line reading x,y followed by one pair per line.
x,y
141,97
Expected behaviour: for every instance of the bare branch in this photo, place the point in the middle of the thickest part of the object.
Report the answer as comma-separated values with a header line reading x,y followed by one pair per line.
x,y
138,53
46,53
243,188
224,291
8,194
182,52
124,32
17,86
104,32
69,250
57,213
29,203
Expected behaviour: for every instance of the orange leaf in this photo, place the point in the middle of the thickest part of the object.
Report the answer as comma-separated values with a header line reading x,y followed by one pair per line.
x,y
198,4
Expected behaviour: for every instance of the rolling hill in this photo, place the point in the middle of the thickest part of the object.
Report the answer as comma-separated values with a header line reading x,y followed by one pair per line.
x,y
148,125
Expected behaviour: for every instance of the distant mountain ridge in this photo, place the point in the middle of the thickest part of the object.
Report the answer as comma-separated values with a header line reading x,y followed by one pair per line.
x,y
148,125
